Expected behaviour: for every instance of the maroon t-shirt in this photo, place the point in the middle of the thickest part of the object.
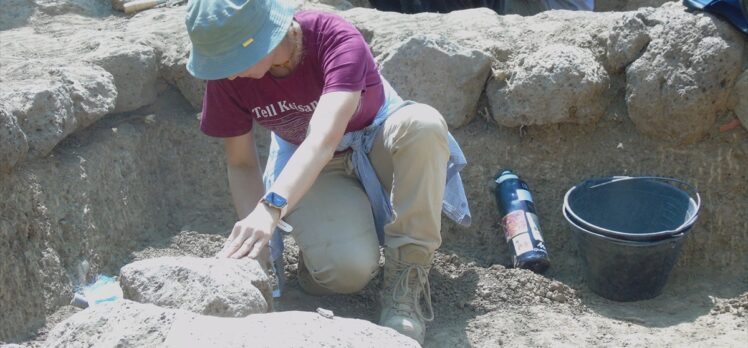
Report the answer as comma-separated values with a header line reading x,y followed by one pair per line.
x,y
335,58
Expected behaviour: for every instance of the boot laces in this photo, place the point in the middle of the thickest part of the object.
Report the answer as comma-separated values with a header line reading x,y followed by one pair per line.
x,y
407,296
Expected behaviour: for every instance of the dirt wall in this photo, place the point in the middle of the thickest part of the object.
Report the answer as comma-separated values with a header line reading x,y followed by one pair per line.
x,y
554,158
103,193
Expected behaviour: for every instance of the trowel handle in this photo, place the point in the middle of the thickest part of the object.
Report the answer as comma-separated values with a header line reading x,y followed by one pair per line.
x,y
140,5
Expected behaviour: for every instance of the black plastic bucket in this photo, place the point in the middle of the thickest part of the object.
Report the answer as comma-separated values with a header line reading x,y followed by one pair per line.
x,y
623,270
633,208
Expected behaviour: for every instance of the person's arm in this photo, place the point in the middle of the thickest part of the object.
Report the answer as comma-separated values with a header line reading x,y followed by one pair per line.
x,y
243,169
326,128
245,180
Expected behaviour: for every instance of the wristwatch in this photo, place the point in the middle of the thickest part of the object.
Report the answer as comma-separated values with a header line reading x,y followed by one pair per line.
x,y
276,201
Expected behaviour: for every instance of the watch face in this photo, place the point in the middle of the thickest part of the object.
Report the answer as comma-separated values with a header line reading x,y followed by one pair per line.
x,y
276,200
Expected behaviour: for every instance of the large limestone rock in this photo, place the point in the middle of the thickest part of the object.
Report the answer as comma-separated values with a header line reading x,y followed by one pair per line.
x,y
546,69
558,83
49,103
130,324
16,13
627,40
14,144
683,79
211,286
741,98
67,74
433,70
134,69
114,324
285,329
164,30
93,8
563,66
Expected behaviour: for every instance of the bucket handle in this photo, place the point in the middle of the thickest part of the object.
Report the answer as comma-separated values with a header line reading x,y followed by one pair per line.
x,y
662,178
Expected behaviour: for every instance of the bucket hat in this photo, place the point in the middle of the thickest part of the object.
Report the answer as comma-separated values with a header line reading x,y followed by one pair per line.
x,y
230,36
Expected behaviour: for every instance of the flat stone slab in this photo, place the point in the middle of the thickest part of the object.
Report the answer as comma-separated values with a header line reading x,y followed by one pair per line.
x,y
211,286
114,324
283,329
131,324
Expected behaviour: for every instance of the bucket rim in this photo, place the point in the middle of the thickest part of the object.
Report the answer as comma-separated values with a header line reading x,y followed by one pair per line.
x,y
668,239
684,227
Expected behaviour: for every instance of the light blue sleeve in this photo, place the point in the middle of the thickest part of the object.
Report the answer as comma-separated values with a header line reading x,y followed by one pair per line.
x,y
278,155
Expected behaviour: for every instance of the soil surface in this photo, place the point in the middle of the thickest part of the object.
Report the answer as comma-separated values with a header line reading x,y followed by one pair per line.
x,y
484,305
480,304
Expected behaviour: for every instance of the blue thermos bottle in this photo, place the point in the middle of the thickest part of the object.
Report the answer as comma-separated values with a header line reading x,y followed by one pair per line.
x,y
520,223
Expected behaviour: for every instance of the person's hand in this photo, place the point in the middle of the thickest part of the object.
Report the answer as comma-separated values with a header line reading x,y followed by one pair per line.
x,y
251,235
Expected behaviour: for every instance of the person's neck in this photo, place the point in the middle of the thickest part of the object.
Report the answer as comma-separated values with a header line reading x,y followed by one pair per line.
x,y
291,53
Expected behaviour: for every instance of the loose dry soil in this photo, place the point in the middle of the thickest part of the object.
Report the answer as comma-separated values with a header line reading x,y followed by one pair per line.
x,y
481,304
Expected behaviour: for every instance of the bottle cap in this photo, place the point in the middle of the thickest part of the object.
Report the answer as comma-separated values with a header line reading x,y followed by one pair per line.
x,y
506,175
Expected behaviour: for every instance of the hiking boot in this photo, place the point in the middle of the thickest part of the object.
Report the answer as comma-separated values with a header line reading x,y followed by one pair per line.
x,y
307,282
405,286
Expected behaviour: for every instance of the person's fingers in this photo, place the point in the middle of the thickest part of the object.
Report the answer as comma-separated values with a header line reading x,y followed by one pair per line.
x,y
234,233
226,247
234,246
244,248
222,252
258,248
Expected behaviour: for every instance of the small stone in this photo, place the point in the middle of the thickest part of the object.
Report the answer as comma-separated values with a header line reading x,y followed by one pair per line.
x,y
484,293
325,313
556,286
560,298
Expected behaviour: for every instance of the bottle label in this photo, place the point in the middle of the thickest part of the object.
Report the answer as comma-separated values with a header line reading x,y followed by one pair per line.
x,y
522,244
514,224
522,229
532,220
524,195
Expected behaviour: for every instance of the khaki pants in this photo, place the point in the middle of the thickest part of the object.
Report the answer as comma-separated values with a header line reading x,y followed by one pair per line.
x,y
333,223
